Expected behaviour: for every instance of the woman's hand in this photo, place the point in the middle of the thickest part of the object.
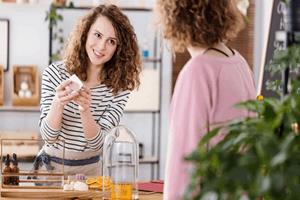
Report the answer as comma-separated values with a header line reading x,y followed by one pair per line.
x,y
64,94
83,99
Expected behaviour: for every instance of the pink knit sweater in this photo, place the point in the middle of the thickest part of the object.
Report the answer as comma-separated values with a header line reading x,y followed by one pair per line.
x,y
205,92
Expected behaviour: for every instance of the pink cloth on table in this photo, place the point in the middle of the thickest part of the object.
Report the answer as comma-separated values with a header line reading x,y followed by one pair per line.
x,y
206,90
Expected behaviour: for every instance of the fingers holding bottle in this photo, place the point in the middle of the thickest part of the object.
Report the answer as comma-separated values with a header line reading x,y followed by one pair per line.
x,y
64,94
83,99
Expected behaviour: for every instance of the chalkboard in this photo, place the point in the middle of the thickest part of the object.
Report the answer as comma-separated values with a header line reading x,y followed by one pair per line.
x,y
276,41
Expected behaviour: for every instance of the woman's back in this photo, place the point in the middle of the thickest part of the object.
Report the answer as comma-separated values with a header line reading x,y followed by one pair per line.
x,y
206,91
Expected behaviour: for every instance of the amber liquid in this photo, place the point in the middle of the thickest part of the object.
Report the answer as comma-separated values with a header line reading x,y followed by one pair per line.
x,y
121,191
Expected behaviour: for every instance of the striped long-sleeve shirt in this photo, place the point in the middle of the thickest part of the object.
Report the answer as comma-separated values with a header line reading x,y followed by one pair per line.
x,y
106,109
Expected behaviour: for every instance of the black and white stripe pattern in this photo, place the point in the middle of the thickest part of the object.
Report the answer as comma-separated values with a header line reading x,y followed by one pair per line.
x,y
106,109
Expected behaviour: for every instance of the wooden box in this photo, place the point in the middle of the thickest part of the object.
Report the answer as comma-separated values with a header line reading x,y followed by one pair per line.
x,y
1,86
27,176
26,86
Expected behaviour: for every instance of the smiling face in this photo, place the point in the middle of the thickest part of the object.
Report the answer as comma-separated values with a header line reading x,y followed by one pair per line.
x,y
101,42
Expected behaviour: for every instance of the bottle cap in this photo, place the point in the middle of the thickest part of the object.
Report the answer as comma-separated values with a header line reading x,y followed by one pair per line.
x,y
7,160
14,159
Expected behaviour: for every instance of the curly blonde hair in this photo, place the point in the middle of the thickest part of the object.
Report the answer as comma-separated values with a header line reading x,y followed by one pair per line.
x,y
198,22
122,71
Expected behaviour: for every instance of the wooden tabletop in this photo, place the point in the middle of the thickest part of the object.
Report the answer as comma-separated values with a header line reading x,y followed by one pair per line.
x,y
17,194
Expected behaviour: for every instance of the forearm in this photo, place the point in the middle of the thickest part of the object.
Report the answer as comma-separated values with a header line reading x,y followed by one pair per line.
x,y
54,116
90,127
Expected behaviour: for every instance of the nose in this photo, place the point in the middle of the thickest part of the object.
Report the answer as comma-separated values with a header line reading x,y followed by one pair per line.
x,y
102,45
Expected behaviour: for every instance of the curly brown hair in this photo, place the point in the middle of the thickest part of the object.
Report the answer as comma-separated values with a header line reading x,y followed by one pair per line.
x,y
122,71
198,22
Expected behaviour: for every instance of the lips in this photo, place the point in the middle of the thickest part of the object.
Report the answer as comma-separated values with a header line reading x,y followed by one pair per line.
x,y
97,53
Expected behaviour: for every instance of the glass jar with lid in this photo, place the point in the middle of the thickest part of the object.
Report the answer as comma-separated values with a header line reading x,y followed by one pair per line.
x,y
121,163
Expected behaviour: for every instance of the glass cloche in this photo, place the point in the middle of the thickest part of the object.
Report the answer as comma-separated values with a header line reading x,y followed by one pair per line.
x,y
121,163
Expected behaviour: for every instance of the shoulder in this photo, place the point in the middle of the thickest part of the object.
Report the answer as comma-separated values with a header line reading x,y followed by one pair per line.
x,y
200,68
123,94
56,68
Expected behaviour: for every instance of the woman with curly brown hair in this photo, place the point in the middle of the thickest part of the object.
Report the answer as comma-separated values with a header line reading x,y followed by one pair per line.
x,y
103,52
209,85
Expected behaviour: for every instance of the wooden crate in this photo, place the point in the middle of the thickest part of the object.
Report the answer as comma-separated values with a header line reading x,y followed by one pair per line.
x,y
28,178
30,75
1,86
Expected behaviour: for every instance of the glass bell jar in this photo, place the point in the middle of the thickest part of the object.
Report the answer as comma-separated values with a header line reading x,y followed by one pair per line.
x,y
120,164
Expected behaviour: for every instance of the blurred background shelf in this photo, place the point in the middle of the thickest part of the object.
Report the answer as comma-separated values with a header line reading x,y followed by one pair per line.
x,y
20,108
152,60
149,160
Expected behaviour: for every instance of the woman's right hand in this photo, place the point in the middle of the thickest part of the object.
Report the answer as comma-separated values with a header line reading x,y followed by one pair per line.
x,y
64,94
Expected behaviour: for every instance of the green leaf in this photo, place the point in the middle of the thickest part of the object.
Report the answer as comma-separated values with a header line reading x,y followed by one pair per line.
x,y
207,137
278,159
251,105
54,18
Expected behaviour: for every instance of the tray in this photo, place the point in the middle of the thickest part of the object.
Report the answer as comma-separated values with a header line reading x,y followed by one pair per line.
x,y
49,194
46,194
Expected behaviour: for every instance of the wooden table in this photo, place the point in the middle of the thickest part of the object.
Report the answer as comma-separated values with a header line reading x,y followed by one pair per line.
x,y
17,194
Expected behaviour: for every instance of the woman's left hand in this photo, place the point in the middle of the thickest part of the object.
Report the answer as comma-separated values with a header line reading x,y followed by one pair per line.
x,y
83,99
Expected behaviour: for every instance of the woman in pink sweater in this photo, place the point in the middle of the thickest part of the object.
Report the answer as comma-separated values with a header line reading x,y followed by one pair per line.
x,y
209,85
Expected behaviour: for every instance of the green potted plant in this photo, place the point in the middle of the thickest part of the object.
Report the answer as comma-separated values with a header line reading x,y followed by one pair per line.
x,y
259,157
54,19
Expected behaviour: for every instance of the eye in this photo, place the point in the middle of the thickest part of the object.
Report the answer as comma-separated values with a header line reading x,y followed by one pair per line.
x,y
98,35
112,42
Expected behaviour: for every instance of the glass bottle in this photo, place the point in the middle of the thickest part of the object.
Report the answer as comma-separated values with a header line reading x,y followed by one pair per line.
x,y
6,179
120,163
15,170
